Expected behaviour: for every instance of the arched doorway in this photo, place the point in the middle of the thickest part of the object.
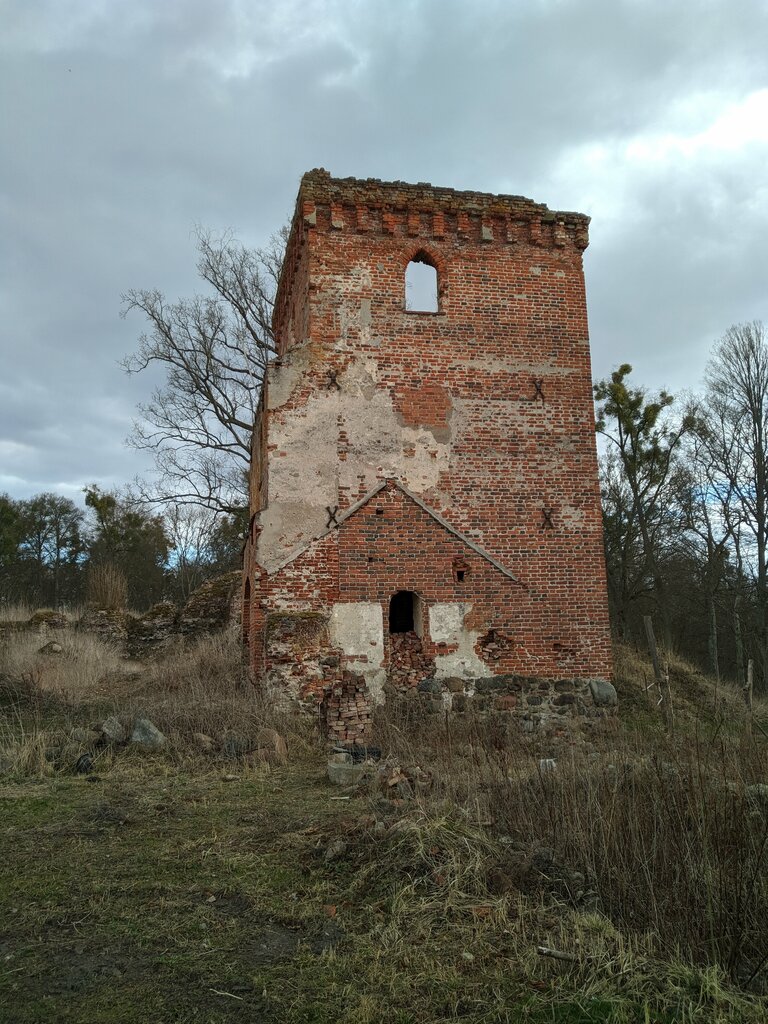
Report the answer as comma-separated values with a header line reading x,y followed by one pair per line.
x,y
405,613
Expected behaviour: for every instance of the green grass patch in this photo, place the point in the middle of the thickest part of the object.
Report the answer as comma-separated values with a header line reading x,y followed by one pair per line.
x,y
159,894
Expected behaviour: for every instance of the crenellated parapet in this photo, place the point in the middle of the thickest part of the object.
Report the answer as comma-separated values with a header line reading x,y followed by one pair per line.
x,y
398,208
403,211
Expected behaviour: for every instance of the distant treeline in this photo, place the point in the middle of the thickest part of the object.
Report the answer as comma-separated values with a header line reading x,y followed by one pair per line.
x,y
49,547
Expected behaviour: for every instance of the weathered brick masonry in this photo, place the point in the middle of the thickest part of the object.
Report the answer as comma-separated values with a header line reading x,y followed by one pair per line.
x,y
444,457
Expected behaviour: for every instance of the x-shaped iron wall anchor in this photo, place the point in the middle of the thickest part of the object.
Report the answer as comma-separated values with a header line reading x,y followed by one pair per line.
x,y
546,523
332,381
538,393
332,513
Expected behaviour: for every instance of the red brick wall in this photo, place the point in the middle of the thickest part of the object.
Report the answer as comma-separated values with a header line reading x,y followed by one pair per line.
x,y
375,554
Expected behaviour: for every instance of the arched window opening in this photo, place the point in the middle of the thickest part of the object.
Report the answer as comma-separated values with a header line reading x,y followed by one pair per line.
x,y
246,611
421,285
405,613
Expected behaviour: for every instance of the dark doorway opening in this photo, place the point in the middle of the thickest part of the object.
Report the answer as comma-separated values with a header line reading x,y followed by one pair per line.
x,y
402,612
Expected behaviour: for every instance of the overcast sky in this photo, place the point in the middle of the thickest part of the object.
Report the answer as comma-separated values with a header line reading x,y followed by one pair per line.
x,y
123,123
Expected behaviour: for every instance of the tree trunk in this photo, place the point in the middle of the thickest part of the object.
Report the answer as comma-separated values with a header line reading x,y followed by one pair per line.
x,y
738,640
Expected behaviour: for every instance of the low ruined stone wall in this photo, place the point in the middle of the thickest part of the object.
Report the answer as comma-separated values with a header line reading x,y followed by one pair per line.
x,y
305,668
211,607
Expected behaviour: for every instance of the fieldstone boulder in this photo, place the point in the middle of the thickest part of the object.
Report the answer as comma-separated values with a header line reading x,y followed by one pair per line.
x,y
335,850
234,745
342,771
51,648
113,730
603,693
430,686
147,735
86,737
757,794
272,746
454,685
84,764
204,743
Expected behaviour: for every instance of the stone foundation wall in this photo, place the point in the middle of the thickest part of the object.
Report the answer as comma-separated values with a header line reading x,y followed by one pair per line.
x,y
534,706
538,704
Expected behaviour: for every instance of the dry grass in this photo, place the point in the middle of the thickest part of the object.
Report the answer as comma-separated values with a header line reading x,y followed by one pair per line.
x,y
17,612
645,857
198,687
21,612
79,672
203,687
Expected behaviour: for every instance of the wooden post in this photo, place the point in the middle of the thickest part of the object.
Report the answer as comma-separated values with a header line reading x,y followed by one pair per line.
x,y
666,693
662,678
652,647
748,697
713,652
739,642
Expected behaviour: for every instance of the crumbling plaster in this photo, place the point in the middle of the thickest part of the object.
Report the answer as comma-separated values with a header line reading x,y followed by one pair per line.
x,y
307,434
482,412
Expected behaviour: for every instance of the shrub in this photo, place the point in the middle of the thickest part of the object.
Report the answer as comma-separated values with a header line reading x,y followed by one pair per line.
x,y
106,587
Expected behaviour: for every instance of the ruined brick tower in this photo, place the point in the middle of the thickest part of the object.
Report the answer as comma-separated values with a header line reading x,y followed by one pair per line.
x,y
424,492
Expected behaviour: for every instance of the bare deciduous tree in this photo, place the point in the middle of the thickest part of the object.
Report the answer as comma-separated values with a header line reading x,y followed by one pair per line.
x,y
736,436
706,506
190,529
214,350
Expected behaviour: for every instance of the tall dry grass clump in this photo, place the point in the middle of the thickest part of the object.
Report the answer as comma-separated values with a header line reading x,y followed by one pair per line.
x,y
106,588
203,687
674,844
18,611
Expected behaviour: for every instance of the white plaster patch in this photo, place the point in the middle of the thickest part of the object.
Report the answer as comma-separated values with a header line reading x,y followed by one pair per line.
x,y
357,628
446,626
446,622
303,482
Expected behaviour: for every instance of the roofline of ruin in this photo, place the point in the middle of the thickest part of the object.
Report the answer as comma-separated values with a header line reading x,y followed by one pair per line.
x,y
320,186
392,208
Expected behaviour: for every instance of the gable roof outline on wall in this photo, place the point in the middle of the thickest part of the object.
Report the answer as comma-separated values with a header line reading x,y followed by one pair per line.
x,y
348,513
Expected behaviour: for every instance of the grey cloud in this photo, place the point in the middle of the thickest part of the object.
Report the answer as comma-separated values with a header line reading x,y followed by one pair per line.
x,y
126,124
